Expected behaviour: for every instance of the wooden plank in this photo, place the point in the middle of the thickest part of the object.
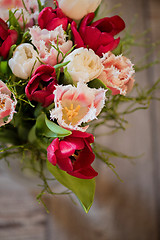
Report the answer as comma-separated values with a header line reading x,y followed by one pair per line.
x,y
20,215
152,13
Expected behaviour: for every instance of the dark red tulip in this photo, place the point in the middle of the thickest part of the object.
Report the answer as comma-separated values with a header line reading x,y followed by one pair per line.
x,y
73,154
41,85
50,18
7,38
98,35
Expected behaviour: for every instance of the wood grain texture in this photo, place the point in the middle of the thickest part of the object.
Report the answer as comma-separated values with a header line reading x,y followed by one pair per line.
x,y
21,218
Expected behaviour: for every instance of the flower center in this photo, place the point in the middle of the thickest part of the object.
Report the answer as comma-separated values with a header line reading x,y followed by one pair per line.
x,y
75,156
72,112
28,52
2,103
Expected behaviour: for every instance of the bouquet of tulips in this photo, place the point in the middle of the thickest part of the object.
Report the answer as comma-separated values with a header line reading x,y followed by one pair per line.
x,y
61,71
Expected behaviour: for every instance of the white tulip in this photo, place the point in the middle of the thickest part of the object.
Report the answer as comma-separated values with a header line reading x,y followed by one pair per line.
x,y
23,60
77,9
84,65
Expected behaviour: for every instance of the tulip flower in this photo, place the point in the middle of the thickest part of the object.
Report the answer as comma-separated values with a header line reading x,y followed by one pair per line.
x,y
41,85
73,154
7,104
50,18
98,35
44,41
117,73
77,105
77,9
84,65
24,61
7,38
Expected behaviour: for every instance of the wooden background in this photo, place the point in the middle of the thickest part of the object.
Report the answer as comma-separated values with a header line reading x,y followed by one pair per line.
x,y
128,210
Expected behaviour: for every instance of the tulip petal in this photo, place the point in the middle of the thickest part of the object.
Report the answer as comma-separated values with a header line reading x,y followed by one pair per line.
x,y
65,164
111,46
86,173
3,29
85,22
77,143
94,41
112,25
8,42
80,134
51,151
85,159
77,38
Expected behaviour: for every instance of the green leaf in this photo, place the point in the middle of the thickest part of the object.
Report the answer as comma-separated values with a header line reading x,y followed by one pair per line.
x,y
32,135
49,129
67,78
57,129
96,12
84,189
42,129
4,67
11,50
96,83
119,49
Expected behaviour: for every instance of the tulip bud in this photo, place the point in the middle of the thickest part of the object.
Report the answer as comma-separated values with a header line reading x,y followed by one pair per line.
x,y
77,9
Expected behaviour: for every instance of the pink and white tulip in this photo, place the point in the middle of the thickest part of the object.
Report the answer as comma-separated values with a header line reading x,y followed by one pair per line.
x,y
117,73
43,40
7,104
84,65
77,105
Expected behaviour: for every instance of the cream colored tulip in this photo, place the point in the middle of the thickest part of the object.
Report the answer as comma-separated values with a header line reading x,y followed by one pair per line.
x,y
84,65
23,60
77,9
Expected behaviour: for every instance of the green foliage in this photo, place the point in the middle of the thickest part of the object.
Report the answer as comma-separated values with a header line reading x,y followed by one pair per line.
x,y
84,189
4,67
40,6
13,22
67,79
96,83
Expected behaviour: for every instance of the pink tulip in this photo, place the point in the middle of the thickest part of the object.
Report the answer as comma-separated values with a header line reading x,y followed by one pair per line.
x,y
43,40
7,104
77,105
117,73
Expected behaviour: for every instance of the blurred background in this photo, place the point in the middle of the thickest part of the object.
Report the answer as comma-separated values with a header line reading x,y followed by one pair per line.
x,y
122,210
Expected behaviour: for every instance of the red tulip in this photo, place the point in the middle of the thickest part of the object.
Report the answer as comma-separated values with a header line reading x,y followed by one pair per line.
x,y
98,35
41,86
73,154
51,18
7,38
